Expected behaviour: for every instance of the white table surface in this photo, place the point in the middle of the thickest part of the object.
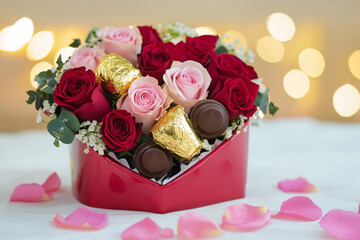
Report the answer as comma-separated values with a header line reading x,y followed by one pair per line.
x,y
327,154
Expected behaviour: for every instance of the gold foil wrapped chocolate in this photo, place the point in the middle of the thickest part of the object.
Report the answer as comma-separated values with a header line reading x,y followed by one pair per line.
x,y
115,74
174,132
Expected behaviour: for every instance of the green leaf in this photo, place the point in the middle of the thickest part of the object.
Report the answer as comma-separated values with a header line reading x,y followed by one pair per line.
x,y
48,90
32,96
69,119
41,79
59,62
38,101
264,102
272,108
123,154
221,49
60,131
76,43
52,83
92,33
56,143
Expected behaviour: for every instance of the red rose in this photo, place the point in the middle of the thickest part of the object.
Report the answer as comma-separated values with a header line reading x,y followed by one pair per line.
x,y
238,96
79,93
120,131
149,35
199,49
155,58
224,66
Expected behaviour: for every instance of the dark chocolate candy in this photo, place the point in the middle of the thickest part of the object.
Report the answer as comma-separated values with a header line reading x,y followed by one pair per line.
x,y
152,161
209,118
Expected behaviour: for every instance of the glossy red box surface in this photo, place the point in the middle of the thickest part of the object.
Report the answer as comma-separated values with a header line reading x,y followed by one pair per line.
x,y
100,181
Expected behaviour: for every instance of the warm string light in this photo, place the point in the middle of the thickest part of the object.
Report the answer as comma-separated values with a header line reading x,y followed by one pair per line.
x,y
205,30
346,100
270,49
14,37
40,45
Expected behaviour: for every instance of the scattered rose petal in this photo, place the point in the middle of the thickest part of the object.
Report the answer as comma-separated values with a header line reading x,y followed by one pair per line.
x,y
146,229
52,183
299,185
193,225
299,208
359,209
245,217
82,218
32,192
342,224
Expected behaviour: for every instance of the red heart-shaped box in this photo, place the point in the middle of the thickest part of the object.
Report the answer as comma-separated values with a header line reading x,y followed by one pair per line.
x,y
100,181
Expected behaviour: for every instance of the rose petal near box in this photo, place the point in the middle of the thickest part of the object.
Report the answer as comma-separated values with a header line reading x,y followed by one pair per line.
x,y
146,229
299,185
299,208
52,183
245,217
341,224
82,218
31,192
192,225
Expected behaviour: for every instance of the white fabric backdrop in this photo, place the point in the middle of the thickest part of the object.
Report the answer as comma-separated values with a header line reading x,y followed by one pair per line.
x,y
327,154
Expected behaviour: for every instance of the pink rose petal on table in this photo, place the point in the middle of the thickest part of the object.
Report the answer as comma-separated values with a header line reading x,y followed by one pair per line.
x,y
299,208
299,185
146,229
52,183
82,218
245,217
32,192
342,224
193,225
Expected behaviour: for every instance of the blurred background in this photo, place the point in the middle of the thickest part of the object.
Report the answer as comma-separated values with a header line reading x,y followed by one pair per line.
x,y
307,52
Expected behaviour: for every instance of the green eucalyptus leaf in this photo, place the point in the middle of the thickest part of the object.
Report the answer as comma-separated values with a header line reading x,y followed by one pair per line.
x,y
41,79
32,96
76,43
52,83
48,90
272,108
221,49
69,119
123,154
38,102
60,131
264,102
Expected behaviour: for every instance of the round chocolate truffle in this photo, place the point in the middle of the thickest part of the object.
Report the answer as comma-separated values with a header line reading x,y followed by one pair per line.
x,y
209,119
152,161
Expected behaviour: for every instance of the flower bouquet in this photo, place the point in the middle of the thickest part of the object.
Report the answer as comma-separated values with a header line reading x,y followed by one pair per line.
x,y
157,118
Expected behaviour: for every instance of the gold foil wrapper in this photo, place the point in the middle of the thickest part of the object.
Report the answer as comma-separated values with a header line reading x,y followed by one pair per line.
x,y
115,74
174,132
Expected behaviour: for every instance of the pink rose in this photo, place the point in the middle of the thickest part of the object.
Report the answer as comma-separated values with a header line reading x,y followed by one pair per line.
x,y
187,83
123,41
86,57
145,100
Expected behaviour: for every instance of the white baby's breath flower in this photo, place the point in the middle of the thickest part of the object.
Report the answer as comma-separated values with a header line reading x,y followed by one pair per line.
x,y
206,145
91,136
228,133
39,118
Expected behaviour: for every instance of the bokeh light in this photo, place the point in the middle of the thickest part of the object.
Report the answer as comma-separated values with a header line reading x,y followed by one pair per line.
x,y
346,100
270,49
13,37
311,62
296,84
41,66
40,45
65,52
280,26
354,63
235,36
205,30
